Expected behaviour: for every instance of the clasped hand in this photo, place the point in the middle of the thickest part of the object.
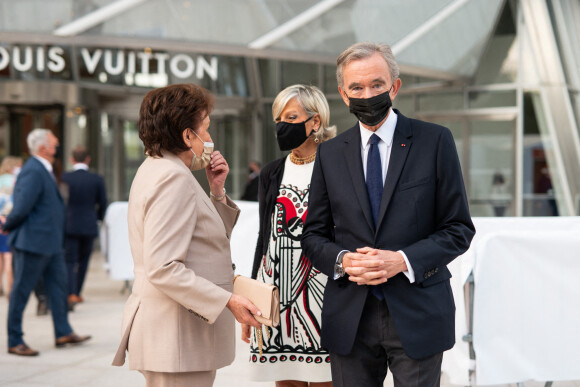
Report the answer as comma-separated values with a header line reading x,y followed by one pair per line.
x,y
368,266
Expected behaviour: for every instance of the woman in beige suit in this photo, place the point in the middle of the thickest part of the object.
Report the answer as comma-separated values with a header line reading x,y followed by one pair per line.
x,y
176,326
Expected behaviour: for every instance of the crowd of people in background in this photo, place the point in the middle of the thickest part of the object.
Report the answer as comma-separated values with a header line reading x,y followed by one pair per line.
x,y
38,204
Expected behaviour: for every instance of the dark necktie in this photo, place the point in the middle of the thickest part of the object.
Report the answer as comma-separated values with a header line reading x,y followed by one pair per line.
x,y
374,182
374,179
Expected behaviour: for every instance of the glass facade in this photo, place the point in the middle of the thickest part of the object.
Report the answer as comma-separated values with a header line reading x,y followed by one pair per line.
x,y
502,75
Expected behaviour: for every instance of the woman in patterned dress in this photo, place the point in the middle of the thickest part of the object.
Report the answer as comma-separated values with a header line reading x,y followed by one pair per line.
x,y
291,355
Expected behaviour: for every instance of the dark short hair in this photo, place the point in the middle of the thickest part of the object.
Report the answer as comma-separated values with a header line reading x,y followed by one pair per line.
x,y
167,111
80,154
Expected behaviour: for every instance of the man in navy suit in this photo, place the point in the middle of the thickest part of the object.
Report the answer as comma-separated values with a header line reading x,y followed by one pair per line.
x,y
388,211
36,226
87,202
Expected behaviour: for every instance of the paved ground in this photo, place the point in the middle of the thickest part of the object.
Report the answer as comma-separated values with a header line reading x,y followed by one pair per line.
x,y
89,364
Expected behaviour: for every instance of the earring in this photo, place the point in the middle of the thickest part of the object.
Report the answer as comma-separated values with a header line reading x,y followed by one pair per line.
x,y
316,140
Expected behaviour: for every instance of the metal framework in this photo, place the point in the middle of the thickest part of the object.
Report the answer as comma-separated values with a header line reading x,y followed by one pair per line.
x,y
96,17
293,24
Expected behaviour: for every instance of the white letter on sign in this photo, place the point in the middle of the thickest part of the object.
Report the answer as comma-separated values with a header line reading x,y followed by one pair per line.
x,y
189,66
56,62
109,62
91,61
4,58
203,66
16,61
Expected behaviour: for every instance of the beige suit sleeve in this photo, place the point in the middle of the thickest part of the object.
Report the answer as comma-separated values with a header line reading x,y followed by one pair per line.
x,y
229,212
170,225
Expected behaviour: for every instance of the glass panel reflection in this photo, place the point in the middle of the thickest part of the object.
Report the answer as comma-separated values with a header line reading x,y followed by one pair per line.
x,y
485,99
491,174
133,152
542,188
441,101
296,72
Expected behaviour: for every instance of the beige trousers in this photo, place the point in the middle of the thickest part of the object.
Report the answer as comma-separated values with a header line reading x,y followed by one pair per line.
x,y
179,379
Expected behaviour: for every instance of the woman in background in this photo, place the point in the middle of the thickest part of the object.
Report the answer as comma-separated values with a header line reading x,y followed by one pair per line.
x,y
9,169
293,355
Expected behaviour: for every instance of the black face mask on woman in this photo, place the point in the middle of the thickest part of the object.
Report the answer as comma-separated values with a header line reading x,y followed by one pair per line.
x,y
290,135
371,111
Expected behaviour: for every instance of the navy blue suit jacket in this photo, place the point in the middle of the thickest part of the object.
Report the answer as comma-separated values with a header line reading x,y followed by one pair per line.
x,y
87,202
36,222
424,212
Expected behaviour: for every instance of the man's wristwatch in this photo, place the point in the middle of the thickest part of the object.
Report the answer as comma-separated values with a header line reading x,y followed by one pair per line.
x,y
338,269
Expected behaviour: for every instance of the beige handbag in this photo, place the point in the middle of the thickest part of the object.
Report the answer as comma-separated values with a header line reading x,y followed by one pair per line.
x,y
266,297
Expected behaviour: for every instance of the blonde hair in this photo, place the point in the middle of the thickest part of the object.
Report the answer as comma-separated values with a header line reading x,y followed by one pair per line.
x,y
313,101
364,50
8,164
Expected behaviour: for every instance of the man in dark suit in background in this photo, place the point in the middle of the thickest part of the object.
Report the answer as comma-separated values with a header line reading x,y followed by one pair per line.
x,y
388,211
251,189
87,202
36,226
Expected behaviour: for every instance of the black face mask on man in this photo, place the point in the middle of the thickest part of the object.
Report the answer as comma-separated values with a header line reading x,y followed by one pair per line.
x,y
371,111
290,135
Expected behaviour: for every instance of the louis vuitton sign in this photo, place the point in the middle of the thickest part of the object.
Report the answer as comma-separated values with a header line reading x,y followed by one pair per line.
x,y
131,67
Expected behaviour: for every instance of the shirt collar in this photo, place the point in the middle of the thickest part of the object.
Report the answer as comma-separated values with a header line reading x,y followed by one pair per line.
x,y
79,166
385,132
44,162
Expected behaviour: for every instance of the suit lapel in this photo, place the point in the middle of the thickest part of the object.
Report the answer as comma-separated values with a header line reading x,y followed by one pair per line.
x,y
399,151
200,193
352,154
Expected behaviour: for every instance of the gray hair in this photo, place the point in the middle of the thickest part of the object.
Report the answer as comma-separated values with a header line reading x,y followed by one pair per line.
x,y
313,101
364,50
36,138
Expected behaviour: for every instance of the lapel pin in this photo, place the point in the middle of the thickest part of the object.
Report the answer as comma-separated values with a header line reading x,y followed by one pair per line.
x,y
403,145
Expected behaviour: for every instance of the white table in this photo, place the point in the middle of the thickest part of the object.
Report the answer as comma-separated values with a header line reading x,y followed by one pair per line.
x,y
115,240
526,316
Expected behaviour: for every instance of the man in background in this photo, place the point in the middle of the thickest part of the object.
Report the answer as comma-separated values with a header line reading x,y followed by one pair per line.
x,y
251,189
87,202
36,226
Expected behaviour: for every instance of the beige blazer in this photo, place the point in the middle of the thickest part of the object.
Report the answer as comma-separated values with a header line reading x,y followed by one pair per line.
x,y
175,319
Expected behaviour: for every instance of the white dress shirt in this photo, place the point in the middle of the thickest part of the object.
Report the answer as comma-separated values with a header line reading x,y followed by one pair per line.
x,y
82,166
385,133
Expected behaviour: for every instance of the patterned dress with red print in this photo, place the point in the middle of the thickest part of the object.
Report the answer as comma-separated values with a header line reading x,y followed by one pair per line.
x,y
293,351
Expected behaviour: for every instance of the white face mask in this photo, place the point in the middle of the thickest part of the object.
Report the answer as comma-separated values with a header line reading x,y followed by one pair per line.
x,y
200,162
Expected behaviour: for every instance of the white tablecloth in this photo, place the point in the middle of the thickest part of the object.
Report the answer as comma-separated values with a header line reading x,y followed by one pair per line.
x,y
115,240
114,236
526,314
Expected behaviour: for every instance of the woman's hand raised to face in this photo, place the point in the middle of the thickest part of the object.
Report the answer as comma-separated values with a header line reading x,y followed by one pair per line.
x,y
217,172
